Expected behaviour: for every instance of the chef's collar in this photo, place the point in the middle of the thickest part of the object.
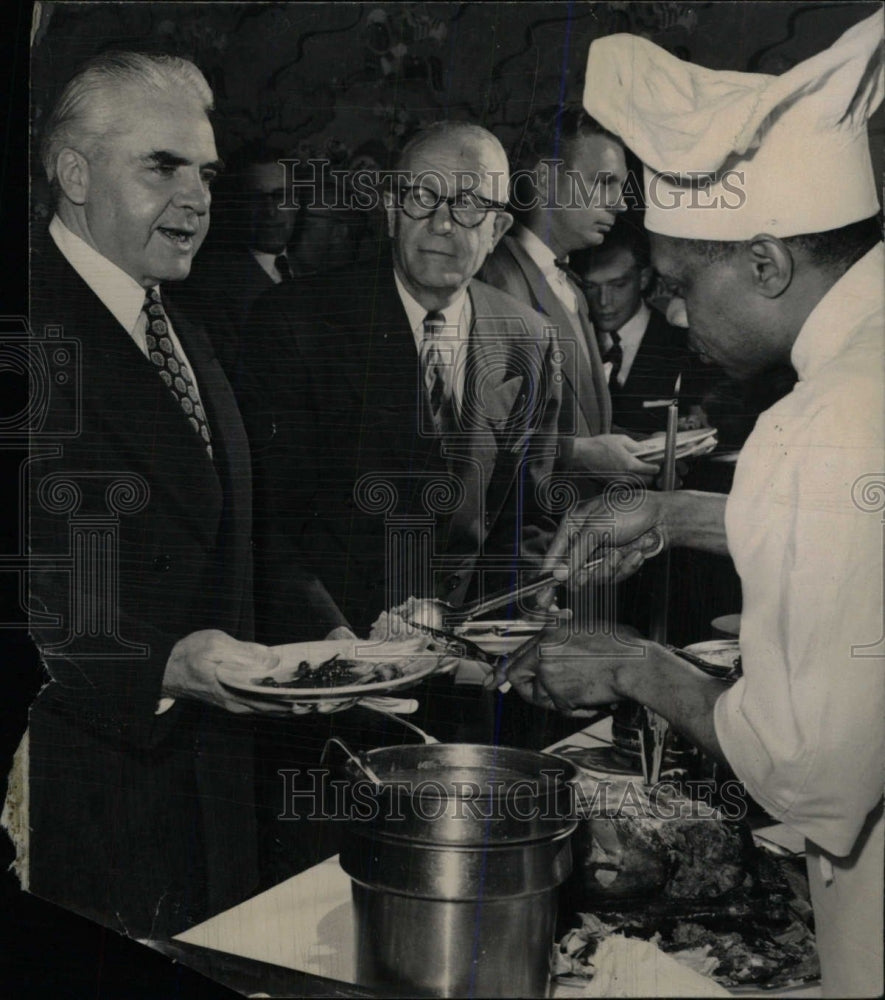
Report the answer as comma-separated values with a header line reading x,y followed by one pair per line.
x,y
836,316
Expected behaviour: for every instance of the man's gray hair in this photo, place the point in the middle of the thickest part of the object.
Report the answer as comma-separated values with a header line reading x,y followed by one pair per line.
x,y
82,115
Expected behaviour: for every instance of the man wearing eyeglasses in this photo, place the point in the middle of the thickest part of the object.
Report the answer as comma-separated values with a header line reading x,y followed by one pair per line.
x,y
405,416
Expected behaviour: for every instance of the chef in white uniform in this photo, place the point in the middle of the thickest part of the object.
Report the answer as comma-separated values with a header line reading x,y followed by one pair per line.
x,y
778,257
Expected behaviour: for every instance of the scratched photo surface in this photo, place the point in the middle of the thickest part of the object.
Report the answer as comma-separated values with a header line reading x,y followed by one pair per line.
x,y
268,427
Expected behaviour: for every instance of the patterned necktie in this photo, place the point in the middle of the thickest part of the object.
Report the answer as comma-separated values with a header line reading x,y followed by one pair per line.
x,y
281,263
614,356
173,371
434,366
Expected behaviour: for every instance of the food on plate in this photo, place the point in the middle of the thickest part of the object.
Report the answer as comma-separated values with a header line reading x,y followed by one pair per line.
x,y
404,619
334,672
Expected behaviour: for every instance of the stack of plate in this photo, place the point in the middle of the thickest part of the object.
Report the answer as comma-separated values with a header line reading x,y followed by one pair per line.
x,y
689,444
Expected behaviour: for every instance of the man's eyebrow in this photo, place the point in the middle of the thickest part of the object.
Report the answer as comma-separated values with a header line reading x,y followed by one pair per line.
x,y
164,158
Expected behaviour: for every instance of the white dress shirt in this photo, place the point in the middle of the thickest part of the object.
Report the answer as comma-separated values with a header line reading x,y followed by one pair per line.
x,y
545,258
120,294
452,341
631,334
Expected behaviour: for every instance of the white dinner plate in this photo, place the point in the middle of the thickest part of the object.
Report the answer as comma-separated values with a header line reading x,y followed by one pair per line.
x,y
417,663
720,653
688,443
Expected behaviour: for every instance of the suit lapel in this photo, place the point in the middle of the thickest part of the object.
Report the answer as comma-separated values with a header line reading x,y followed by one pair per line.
x,y
122,391
583,372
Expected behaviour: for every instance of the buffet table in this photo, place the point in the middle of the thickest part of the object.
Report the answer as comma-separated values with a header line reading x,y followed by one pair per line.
x,y
306,923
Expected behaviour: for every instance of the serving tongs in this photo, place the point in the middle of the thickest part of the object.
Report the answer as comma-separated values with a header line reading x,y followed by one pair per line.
x,y
500,598
457,645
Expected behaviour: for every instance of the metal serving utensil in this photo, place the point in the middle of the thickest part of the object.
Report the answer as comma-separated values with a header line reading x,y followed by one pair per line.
x,y
364,766
499,598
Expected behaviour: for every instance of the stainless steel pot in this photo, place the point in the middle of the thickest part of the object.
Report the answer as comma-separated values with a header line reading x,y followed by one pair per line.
x,y
456,865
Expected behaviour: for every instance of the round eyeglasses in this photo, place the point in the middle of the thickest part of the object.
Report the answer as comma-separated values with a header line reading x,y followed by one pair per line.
x,y
466,209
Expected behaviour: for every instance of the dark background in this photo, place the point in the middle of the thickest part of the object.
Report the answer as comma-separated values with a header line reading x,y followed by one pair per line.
x,y
337,80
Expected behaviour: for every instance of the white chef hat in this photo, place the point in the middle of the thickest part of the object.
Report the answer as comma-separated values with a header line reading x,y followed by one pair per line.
x,y
782,154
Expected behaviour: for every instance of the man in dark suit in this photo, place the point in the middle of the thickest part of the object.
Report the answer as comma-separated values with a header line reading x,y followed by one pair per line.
x,y
404,421
250,254
140,778
642,352
567,195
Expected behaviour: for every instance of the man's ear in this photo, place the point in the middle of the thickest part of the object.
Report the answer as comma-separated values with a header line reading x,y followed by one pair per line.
x,y
503,221
390,212
544,170
771,263
72,174
645,276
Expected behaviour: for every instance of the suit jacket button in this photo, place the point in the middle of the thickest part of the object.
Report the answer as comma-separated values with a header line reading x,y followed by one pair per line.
x,y
162,563
452,582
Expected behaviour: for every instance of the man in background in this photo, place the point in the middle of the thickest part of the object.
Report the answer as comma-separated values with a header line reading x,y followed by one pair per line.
x,y
250,254
642,353
567,194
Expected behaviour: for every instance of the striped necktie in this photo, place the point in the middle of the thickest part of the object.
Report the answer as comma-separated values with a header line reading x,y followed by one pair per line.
x,y
170,364
434,364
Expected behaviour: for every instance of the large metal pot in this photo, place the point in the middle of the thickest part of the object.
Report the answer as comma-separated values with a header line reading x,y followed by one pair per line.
x,y
456,865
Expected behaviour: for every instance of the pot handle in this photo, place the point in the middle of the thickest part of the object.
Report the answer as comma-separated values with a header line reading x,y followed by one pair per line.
x,y
360,763
428,739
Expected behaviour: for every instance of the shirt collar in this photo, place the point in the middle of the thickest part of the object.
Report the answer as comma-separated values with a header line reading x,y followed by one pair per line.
x,y
415,312
537,249
832,321
634,329
268,262
119,293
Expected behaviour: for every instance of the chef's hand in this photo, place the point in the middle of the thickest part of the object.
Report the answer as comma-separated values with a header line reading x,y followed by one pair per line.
x,y
607,456
194,660
624,539
572,672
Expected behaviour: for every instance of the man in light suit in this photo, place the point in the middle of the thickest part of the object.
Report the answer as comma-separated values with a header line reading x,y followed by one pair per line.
x,y
567,194
408,398
140,781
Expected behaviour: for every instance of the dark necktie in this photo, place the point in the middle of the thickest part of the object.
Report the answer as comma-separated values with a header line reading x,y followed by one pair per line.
x,y
172,369
434,366
281,263
615,356
569,273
